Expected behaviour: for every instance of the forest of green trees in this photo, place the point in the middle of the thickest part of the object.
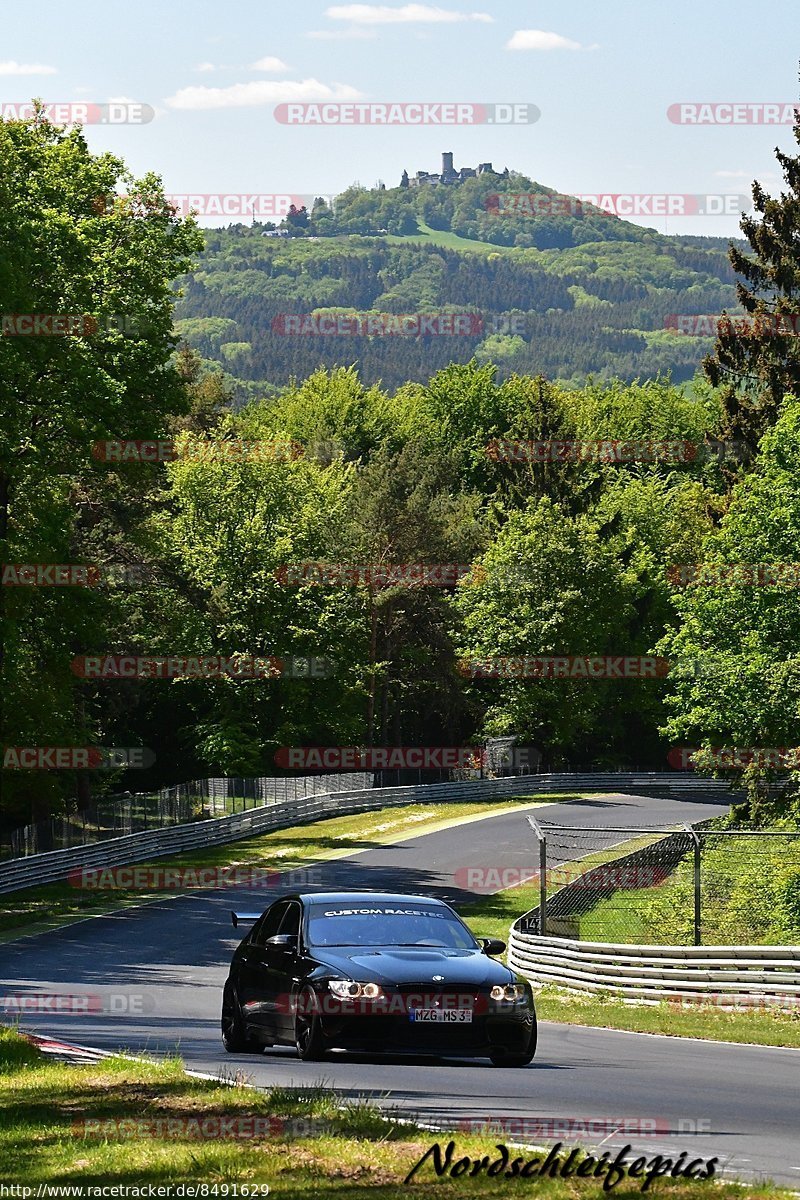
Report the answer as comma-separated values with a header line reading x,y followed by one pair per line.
x,y
567,297
574,556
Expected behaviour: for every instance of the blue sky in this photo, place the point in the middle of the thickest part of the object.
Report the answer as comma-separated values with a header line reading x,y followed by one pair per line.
x,y
603,76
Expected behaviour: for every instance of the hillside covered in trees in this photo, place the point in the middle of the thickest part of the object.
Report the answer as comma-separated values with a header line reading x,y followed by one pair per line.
x,y
571,295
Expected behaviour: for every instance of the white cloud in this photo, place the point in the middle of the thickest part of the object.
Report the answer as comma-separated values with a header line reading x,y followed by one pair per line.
x,y
15,68
245,95
205,67
383,14
539,39
270,63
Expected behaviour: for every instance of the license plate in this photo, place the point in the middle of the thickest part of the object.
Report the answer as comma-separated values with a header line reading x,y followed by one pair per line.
x,y
442,1016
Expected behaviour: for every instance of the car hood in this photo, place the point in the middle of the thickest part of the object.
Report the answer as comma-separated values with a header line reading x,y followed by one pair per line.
x,y
407,965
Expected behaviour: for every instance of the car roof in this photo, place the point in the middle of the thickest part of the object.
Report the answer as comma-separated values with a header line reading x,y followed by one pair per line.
x,y
362,897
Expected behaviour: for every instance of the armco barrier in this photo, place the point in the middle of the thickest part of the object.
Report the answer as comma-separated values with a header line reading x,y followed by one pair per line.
x,y
732,974
36,869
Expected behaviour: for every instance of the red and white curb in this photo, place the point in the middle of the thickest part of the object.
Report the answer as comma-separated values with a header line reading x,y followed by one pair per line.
x,y
65,1051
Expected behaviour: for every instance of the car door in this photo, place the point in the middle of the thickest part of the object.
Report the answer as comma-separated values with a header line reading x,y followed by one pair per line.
x,y
256,986
284,970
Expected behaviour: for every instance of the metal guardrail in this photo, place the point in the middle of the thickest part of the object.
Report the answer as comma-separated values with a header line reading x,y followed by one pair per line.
x,y
36,869
729,974
197,799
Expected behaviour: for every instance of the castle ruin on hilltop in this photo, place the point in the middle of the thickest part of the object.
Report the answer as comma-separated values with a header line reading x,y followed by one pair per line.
x,y
449,175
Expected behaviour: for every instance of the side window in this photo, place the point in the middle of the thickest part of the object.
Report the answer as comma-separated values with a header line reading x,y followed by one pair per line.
x,y
255,932
269,924
291,920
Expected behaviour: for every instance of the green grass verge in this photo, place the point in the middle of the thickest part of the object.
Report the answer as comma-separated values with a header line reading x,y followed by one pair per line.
x,y
620,918
758,1027
35,909
46,1109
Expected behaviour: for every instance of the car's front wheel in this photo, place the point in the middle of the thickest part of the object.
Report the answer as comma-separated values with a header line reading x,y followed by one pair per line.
x,y
505,1058
235,1037
308,1035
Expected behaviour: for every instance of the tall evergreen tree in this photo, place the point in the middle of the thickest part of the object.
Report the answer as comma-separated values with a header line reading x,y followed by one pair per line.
x,y
757,360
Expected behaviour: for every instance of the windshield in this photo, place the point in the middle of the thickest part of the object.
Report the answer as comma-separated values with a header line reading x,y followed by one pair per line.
x,y
387,925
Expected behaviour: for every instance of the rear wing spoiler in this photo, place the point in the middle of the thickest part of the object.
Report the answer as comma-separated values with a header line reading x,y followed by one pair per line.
x,y
243,918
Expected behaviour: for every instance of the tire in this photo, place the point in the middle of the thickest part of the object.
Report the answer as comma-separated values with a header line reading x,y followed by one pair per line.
x,y
503,1058
235,1038
311,1046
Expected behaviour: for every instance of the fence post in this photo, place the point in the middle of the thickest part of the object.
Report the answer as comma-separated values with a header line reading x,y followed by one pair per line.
x,y
537,829
697,892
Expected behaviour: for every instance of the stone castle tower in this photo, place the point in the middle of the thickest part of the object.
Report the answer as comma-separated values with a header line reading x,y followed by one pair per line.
x,y
450,174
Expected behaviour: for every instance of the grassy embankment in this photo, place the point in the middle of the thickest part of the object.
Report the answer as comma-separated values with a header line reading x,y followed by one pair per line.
x,y
60,1125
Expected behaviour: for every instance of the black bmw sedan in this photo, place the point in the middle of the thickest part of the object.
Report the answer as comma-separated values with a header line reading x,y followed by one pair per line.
x,y
372,971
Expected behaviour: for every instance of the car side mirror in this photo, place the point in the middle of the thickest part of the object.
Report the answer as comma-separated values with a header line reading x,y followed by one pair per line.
x,y
492,945
281,941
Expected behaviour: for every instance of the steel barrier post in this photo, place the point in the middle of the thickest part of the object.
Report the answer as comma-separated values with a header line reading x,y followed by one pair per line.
x,y
697,891
537,829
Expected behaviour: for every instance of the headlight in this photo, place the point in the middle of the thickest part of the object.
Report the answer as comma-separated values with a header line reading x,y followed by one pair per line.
x,y
347,989
508,991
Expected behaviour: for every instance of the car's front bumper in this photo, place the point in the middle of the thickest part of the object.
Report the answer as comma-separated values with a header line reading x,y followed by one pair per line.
x,y
494,1026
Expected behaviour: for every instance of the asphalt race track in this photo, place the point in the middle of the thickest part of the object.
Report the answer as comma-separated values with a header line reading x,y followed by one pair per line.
x,y
158,972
